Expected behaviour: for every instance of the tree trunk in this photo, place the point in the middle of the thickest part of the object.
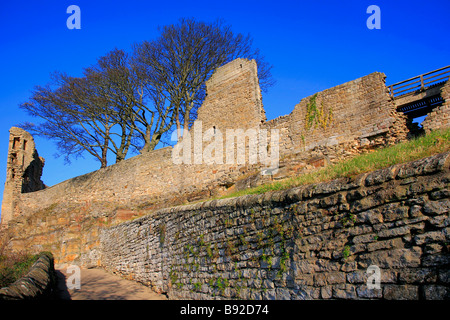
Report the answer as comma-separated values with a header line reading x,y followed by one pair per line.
x,y
179,135
104,159
152,143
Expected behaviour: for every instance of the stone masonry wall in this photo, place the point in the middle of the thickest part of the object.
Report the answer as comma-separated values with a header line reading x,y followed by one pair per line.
x,y
66,218
337,123
311,242
440,116
38,284
357,113
23,171
233,98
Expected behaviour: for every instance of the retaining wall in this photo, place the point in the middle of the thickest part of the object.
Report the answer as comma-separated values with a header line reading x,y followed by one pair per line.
x,y
310,242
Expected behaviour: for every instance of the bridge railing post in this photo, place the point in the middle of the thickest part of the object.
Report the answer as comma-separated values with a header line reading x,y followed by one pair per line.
x,y
422,87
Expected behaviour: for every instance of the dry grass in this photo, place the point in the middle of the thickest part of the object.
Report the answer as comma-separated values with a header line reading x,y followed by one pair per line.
x,y
424,146
13,265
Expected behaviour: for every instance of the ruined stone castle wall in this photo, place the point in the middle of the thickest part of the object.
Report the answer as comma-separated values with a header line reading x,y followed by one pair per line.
x,y
358,114
23,172
440,116
152,178
67,217
312,242
233,99
309,242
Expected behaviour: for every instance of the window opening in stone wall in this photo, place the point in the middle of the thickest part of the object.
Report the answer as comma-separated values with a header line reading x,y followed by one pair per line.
x,y
417,111
415,127
16,142
13,158
24,144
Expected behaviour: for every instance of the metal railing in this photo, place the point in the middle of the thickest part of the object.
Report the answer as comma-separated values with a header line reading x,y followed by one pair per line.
x,y
420,82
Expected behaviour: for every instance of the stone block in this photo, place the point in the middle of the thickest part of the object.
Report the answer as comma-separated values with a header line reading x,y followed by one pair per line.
x,y
394,258
439,259
400,292
436,292
392,212
283,294
364,292
430,237
344,291
386,244
395,232
417,275
433,208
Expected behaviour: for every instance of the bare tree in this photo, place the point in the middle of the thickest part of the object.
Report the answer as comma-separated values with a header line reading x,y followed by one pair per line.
x,y
88,114
77,121
125,103
182,58
111,80
112,108
153,114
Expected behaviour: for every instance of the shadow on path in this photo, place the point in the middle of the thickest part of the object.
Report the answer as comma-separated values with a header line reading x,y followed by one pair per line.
x,y
62,292
97,284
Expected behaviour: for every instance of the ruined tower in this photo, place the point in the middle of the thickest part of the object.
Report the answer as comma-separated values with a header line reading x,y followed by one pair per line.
x,y
232,112
233,97
23,171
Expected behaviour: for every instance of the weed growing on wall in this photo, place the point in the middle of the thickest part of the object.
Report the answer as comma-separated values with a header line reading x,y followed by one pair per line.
x,y
316,116
267,235
162,234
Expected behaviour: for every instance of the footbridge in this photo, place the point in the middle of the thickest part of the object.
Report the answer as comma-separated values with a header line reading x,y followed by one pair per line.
x,y
417,96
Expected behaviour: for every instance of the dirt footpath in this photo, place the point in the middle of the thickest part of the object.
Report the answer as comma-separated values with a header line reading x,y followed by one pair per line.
x,y
97,284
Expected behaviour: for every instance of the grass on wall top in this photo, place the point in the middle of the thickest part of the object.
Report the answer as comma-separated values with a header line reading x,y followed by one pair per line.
x,y
418,148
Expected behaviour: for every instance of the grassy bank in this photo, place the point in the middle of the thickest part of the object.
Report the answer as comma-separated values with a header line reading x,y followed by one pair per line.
x,y
13,266
418,148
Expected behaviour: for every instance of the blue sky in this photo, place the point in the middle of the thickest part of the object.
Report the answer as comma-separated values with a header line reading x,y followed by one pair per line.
x,y
313,45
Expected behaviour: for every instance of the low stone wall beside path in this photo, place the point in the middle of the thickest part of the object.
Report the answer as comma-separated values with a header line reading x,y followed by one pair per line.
x,y
38,283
